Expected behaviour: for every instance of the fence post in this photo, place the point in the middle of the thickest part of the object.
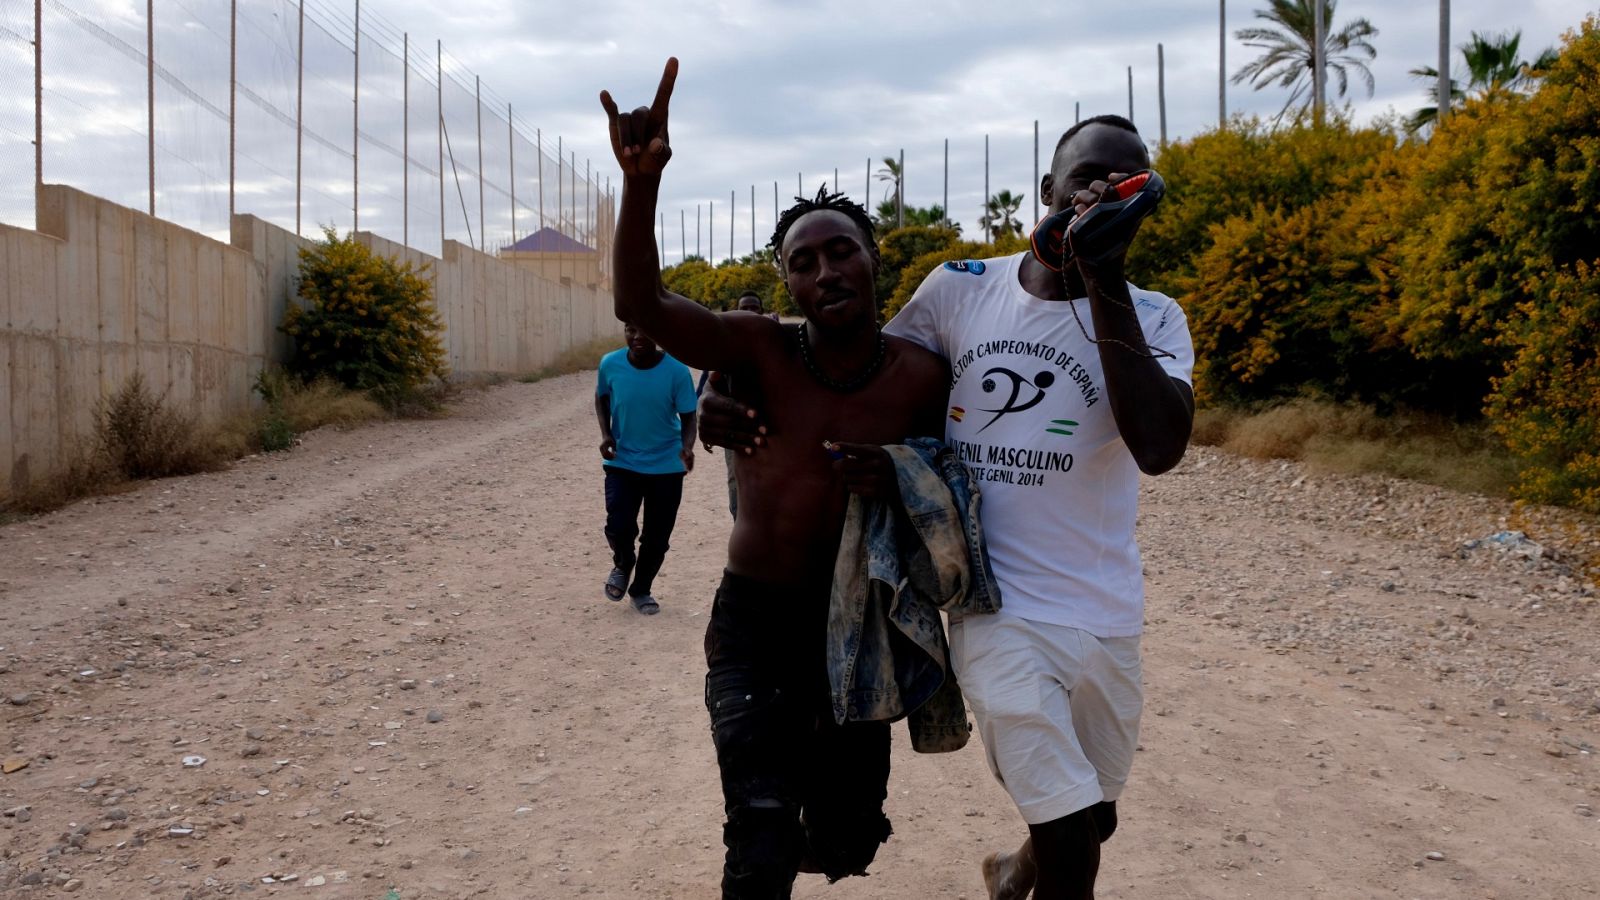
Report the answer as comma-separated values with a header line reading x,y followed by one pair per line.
x,y
511,144
355,132
438,61
150,84
538,141
299,114
405,139
477,100
233,101
38,103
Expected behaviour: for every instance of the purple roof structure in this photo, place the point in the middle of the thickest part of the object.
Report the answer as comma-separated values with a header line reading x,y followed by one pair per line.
x,y
549,240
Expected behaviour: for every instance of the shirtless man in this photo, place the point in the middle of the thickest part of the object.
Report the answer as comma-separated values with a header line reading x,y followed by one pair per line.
x,y
1068,382
801,793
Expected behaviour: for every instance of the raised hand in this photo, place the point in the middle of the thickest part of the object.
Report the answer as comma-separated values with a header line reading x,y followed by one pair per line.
x,y
639,138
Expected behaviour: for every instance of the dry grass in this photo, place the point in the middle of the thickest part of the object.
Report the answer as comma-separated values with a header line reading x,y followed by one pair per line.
x,y
575,359
1330,437
138,436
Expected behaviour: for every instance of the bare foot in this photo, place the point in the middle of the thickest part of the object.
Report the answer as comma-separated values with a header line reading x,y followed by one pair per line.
x,y
1009,876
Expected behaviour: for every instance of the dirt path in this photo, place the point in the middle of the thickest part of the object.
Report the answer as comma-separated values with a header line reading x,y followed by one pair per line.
x,y
1336,689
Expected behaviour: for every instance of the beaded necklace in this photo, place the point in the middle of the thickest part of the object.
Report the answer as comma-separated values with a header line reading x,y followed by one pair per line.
x,y
851,385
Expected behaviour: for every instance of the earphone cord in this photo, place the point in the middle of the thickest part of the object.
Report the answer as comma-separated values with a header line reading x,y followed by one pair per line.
x,y
1066,291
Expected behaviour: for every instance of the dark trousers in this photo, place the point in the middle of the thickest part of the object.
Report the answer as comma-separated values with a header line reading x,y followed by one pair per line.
x,y
801,792
626,491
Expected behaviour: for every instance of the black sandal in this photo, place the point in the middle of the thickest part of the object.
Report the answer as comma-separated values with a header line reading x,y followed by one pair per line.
x,y
616,583
646,604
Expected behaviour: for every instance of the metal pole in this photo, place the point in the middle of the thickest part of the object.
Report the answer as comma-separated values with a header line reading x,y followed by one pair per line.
x,y
477,101
233,101
573,168
355,134
947,182
1077,112
1130,93
986,237
663,245
511,145
732,217
697,230
38,102
300,121
405,139
711,232
588,218
438,60
1036,170
538,140
150,80
561,185
1444,102
1161,89
900,193
753,213
866,199
774,206
799,188
1222,61
836,179
683,237
1318,63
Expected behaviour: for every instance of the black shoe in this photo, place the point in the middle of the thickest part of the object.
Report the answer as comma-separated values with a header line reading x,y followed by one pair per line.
x,y
616,583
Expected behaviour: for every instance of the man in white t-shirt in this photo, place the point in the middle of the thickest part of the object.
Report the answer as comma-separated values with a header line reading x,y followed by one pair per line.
x,y
1065,385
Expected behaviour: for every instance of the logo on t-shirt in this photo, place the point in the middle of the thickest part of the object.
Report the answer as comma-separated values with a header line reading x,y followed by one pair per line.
x,y
1015,386
970,266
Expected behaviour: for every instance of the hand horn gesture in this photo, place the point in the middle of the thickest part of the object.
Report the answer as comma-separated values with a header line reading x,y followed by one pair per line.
x,y
639,138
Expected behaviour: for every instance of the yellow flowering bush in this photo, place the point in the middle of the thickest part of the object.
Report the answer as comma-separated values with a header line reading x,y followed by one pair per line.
x,y
364,320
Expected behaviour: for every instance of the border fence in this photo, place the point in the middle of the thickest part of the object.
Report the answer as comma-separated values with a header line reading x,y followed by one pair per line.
x,y
310,115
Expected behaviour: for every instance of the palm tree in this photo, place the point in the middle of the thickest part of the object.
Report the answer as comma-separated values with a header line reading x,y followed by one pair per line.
x,y
890,173
1494,67
1288,60
999,214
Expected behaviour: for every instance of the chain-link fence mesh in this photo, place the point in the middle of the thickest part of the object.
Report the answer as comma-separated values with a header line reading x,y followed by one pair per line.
x,y
311,116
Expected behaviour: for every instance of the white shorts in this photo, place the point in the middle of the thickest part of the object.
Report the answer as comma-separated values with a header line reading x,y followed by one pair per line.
x,y
1057,709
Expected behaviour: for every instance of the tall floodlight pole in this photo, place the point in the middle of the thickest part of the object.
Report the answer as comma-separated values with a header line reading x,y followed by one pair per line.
x,y
836,179
511,149
946,182
1161,89
683,236
733,201
1319,63
1130,93
900,193
986,189
774,206
697,230
1077,112
799,188
866,199
1222,60
711,233
753,213
1443,103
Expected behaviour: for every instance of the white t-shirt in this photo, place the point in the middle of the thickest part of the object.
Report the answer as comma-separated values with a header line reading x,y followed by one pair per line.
x,y
1030,418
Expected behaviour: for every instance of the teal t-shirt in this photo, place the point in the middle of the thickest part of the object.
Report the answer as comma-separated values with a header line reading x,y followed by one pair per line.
x,y
645,405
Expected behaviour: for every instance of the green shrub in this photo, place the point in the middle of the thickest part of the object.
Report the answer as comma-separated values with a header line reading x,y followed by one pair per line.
x,y
365,321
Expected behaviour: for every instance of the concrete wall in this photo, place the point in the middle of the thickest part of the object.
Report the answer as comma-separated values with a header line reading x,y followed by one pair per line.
x,y
101,291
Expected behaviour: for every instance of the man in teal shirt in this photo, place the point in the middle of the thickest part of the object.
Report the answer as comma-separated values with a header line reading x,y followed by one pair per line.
x,y
645,402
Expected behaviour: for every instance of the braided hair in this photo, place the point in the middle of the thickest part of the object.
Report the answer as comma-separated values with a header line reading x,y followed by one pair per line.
x,y
823,201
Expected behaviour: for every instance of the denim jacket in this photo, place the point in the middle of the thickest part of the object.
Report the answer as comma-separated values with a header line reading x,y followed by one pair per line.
x,y
897,568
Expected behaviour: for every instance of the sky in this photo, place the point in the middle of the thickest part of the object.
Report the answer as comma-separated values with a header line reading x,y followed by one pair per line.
x,y
781,90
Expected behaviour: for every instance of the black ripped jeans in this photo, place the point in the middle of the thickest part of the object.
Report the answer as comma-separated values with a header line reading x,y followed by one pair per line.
x,y
802,793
